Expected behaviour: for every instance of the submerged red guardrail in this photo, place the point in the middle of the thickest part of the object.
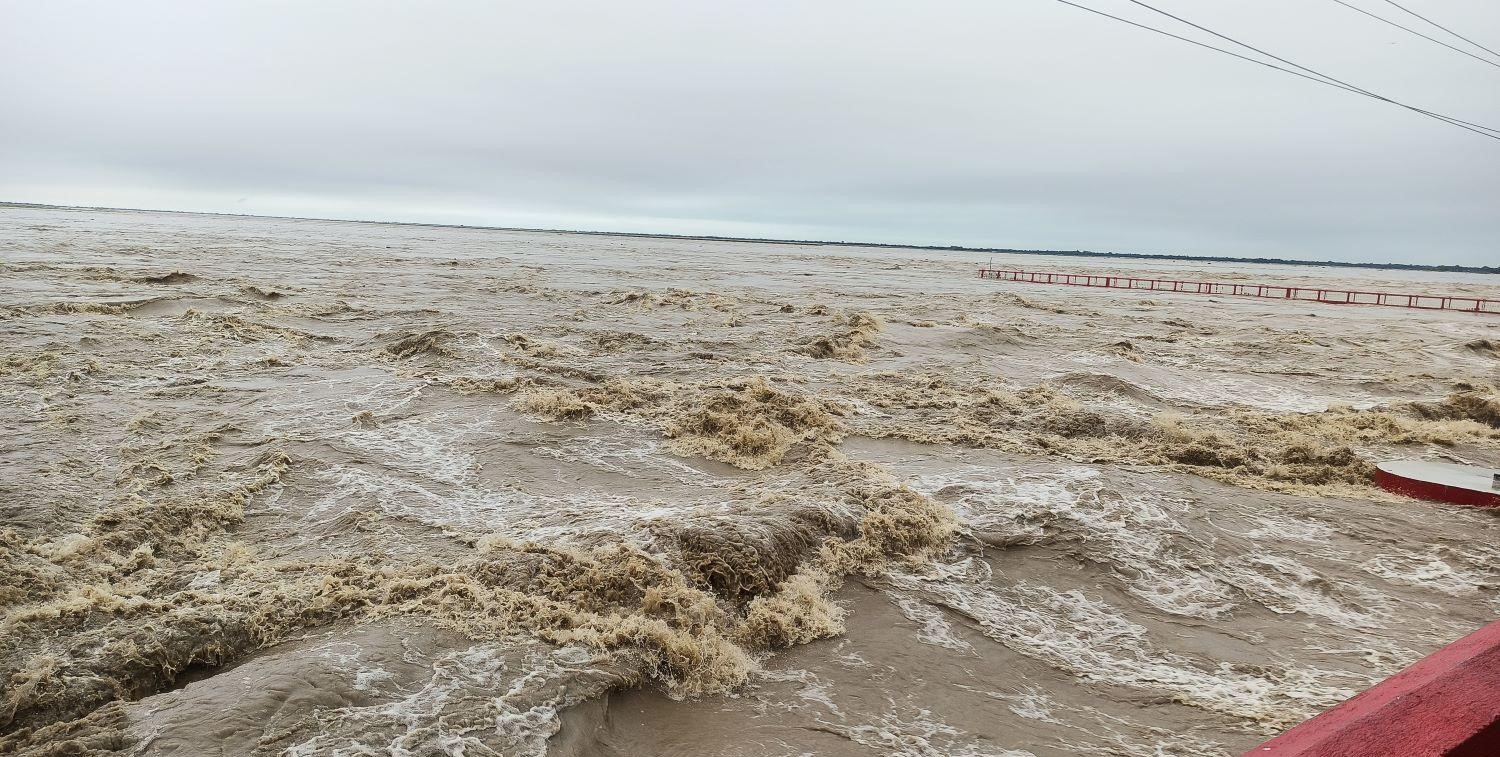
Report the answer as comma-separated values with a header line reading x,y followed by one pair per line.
x,y
1304,294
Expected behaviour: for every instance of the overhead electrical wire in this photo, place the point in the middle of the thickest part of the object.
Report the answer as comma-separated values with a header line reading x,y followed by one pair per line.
x,y
1330,79
1310,74
1316,76
1444,28
1419,34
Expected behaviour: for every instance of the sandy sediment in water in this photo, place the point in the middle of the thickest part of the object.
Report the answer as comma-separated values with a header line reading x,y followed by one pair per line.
x,y
475,493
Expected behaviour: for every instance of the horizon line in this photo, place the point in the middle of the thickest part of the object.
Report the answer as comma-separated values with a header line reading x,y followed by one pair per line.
x,y
1449,267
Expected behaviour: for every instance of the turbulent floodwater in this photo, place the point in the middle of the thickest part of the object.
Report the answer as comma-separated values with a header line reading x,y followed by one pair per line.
x,y
281,487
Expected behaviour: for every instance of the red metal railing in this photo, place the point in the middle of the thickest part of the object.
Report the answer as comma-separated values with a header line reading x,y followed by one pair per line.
x,y
1307,294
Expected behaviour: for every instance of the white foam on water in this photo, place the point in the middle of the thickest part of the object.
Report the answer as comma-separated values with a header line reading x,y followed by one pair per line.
x,y
307,409
490,508
346,656
1031,703
493,346
1094,359
204,581
1279,526
430,446
916,733
1123,406
356,489
863,409
935,629
636,458
1093,641
1144,537
1218,389
1159,743
1429,570
1380,657
1141,536
849,659
1107,735
813,688
1285,585
898,730
473,704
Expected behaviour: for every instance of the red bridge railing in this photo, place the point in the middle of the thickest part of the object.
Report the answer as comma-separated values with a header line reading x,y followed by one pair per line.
x,y
1307,294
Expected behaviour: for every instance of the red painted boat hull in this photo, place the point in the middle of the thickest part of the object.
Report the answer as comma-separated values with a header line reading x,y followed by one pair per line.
x,y
1426,487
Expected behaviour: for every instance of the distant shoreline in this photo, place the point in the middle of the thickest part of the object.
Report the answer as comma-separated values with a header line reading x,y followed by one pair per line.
x,y
827,243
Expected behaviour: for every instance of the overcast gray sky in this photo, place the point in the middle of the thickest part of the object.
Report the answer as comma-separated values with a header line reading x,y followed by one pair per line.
x,y
1008,123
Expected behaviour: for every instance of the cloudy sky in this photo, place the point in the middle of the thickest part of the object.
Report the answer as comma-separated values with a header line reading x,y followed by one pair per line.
x,y
1007,123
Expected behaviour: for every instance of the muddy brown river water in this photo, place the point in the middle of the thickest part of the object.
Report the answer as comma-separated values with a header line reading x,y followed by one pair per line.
x,y
290,487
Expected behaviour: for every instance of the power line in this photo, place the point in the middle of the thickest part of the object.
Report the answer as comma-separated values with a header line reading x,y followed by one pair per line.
x,y
1444,28
1191,41
1340,82
1382,19
1316,76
